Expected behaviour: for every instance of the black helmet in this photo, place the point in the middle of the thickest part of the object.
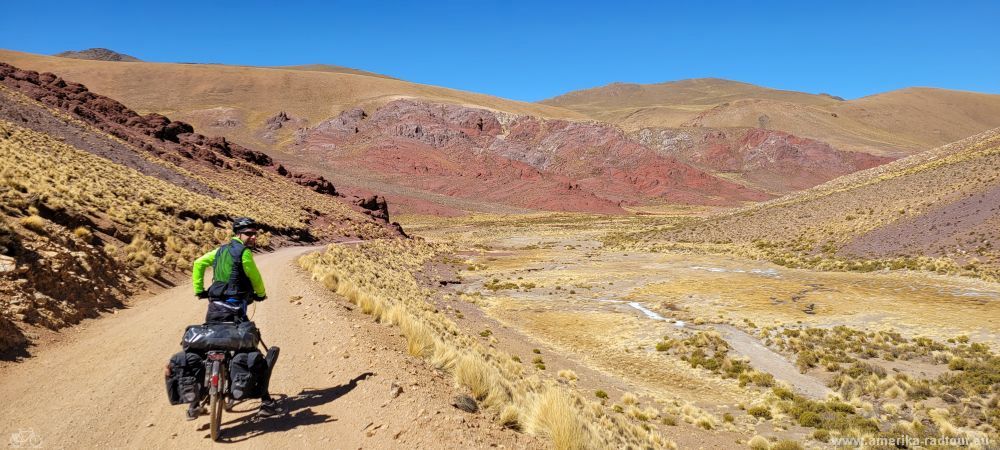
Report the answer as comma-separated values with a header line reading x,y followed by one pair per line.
x,y
243,223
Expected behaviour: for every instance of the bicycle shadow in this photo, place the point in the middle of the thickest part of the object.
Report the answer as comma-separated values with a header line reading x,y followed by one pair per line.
x,y
299,413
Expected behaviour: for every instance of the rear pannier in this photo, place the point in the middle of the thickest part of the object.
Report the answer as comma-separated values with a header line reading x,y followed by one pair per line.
x,y
247,372
186,378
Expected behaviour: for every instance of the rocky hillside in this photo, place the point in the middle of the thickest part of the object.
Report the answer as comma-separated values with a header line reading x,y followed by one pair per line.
x,y
98,54
97,202
237,101
517,160
895,124
937,210
769,160
553,164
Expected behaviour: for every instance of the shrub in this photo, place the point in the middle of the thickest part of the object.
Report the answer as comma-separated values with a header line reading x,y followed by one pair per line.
x,y
150,269
783,393
810,419
758,443
760,411
786,445
600,394
762,379
33,223
806,361
82,233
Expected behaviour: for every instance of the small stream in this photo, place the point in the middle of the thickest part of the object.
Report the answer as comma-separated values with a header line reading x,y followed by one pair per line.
x,y
760,357
767,360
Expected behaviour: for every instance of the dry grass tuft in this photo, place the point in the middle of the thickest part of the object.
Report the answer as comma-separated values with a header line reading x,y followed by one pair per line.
x,y
568,375
482,379
554,415
33,223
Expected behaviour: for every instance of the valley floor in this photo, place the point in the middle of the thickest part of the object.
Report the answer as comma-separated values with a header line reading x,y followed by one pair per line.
x,y
602,312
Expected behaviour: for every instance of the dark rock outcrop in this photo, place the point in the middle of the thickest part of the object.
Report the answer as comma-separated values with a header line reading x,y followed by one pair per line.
x,y
374,206
98,54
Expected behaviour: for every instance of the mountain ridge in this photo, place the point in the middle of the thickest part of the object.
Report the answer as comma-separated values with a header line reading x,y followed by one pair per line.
x,y
893,123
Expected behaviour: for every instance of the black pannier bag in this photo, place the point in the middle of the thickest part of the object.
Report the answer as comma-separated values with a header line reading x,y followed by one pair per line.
x,y
186,379
247,373
221,336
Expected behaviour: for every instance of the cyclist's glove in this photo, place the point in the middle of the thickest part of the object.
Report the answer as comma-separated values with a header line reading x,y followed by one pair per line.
x,y
259,298
202,294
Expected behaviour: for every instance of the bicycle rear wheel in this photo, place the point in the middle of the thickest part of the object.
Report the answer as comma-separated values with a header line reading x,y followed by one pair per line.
x,y
217,403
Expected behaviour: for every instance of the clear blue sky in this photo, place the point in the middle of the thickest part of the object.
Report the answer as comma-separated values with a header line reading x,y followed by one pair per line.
x,y
531,50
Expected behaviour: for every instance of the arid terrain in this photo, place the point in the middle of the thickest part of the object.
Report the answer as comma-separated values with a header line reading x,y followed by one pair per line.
x,y
754,347
896,123
698,142
694,264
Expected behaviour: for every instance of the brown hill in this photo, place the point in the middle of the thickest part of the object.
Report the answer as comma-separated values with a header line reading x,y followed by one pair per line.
x,y
938,210
896,123
671,103
237,102
334,69
97,201
97,54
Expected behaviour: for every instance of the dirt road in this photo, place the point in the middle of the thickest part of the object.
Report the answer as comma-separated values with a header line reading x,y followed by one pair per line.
x,y
101,385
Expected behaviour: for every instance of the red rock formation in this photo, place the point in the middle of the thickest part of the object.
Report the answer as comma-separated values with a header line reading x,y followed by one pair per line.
x,y
774,160
521,161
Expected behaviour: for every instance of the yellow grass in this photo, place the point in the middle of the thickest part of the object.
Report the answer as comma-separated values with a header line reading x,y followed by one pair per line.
x,y
554,415
500,384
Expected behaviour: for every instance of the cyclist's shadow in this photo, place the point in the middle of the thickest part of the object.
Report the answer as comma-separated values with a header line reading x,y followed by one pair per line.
x,y
299,409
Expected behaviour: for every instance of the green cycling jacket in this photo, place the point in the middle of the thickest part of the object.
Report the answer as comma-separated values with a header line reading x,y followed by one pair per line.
x,y
208,259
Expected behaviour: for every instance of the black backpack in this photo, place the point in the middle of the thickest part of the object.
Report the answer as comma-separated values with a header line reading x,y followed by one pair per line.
x,y
237,285
186,381
248,371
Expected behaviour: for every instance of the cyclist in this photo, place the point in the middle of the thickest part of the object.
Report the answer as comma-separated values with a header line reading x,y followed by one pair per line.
x,y
236,282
